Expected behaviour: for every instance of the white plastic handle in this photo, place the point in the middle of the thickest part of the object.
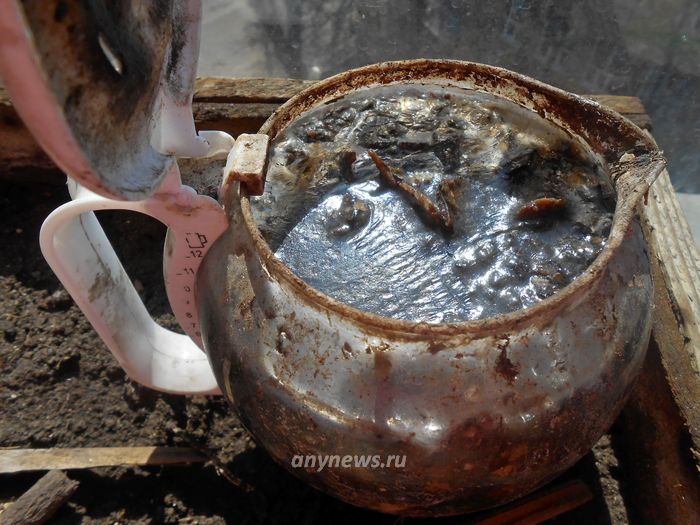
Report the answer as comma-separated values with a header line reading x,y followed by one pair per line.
x,y
78,251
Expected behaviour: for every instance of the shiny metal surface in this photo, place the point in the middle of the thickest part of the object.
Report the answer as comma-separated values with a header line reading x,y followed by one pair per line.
x,y
485,411
330,216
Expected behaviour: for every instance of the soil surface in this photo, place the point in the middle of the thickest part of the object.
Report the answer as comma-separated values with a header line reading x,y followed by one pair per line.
x,y
60,387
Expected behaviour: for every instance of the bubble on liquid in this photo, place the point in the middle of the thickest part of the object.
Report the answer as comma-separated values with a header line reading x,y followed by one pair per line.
x,y
350,217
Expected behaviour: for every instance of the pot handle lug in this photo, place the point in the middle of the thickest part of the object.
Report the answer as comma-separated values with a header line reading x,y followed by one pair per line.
x,y
634,174
82,257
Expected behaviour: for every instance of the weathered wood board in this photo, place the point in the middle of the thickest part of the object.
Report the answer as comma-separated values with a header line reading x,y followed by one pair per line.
x,y
22,460
234,105
40,503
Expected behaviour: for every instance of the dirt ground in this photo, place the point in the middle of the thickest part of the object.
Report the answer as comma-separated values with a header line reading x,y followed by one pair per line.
x,y
60,387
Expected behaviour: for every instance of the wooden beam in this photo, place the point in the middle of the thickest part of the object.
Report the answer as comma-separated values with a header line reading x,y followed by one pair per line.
x,y
225,90
20,460
230,90
234,105
661,440
676,271
41,501
655,453
677,317
543,505
18,149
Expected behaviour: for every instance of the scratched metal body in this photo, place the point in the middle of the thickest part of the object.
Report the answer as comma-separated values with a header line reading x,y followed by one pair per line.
x,y
486,410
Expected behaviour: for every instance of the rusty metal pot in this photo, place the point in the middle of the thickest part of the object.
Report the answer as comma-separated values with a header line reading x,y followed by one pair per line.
x,y
484,411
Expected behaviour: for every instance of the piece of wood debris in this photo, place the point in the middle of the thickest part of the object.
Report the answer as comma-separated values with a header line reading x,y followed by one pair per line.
x,y
541,208
540,506
20,460
41,501
431,211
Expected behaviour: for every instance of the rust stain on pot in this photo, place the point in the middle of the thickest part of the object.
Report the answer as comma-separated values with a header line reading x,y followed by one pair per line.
x,y
385,391
245,312
382,365
347,350
383,347
437,346
246,306
504,366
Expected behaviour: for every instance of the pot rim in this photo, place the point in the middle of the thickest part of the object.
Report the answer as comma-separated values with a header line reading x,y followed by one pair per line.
x,y
605,132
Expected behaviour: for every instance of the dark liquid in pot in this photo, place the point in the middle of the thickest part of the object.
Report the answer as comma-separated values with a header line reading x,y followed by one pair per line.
x,y
483,207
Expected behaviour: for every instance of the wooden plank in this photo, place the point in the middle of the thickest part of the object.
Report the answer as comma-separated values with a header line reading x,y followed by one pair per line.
x,y
224,90
676,268
229,90
19,149
654,452
661,420
20,460
206,113
234,105
41,501
619,103
539,507
278,90
234,119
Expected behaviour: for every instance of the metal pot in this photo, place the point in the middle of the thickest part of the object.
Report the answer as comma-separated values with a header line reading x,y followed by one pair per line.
x,y
483,411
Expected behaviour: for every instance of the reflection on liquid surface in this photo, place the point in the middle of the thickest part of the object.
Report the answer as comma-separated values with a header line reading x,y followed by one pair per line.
x,y
528,211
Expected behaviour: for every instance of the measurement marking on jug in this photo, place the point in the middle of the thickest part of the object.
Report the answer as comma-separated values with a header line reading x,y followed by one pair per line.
x,y
190,254
196,240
